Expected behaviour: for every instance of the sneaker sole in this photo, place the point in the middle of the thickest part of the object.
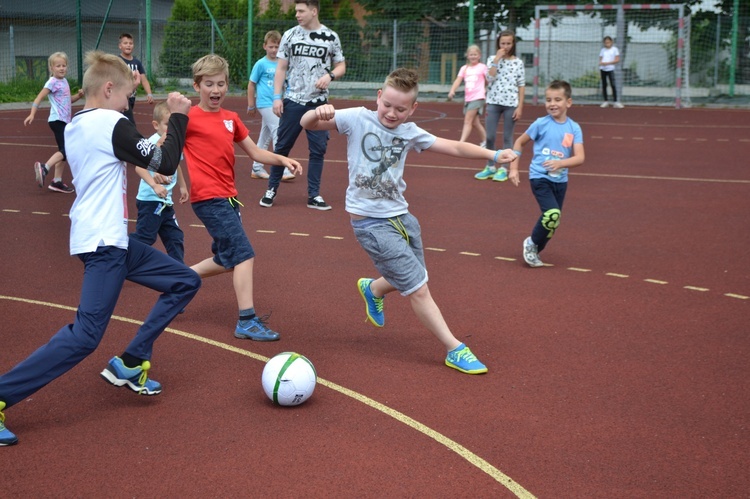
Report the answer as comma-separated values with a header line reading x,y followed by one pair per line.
x,y
319,208
245,336
112,378
260,176
39,175
288,179
367,308
499,179
63,191
466,371
266,205
8,444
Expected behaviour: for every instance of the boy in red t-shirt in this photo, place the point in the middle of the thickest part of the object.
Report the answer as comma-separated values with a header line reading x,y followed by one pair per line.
x,y
209,155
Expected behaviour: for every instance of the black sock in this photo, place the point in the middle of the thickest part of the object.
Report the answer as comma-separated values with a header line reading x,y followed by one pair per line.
x,y
131,361
247,314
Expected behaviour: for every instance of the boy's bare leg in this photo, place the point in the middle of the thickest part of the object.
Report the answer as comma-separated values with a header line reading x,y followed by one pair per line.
x,y
429,314
243,284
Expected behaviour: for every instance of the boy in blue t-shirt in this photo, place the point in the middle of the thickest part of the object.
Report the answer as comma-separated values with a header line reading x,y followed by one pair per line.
x,y
558,146
156,215
260,98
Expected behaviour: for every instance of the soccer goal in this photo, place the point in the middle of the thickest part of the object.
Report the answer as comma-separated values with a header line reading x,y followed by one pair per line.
x,y
651,39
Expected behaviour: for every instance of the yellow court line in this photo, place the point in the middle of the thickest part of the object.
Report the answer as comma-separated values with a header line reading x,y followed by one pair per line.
x,y
467,253
438,437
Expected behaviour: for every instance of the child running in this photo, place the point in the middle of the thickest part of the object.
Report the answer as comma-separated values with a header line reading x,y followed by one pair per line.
x,y
156,216
505,95
558,146
260,99
126,46
57,90
377,143
101,143
209,154
473,74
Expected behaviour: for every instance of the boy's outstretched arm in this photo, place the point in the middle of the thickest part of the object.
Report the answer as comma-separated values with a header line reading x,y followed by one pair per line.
x,y
470,151
518,147
267,157
320,118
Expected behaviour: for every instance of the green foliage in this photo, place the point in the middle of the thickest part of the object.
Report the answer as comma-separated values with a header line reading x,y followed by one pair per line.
x,y
21,90
586,80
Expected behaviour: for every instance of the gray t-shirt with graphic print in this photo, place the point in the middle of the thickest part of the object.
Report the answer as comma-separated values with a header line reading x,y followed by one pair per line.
x,y
310,55
376,157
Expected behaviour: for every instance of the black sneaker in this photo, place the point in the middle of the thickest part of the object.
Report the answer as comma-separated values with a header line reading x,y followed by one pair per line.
x,y
59,186
40,171
267,199
317,203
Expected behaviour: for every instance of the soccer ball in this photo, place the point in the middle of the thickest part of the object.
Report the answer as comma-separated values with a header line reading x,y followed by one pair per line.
x,y
289,379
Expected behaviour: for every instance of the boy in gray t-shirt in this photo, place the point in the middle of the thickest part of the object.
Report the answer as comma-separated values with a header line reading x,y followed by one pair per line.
x,y
377,143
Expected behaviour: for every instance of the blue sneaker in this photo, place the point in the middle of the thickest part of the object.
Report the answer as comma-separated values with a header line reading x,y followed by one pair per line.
x,y
255,329
6,436
135,378
501,175
462,359
488,172
373,304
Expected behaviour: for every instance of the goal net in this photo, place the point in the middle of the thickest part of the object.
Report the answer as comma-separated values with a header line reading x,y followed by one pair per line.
x,y
651,38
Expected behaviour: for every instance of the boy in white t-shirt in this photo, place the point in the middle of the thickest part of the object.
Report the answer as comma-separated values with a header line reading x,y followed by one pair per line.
x,y
609,56
377,143
102,142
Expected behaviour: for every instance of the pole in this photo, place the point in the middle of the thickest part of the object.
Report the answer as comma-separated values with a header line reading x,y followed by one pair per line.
x,y
80,41
471,22
249,37
148,39
735,29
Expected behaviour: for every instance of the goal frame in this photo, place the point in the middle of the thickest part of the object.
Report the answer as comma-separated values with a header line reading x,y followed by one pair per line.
x,y
680,75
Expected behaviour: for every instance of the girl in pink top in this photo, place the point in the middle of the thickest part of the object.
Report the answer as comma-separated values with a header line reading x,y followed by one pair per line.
x,y
474,76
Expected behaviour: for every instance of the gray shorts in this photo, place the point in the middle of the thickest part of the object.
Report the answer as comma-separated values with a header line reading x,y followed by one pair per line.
x,y
474,104
395,247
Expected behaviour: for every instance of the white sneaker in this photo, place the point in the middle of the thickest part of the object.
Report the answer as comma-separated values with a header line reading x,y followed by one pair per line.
x,y
618,105
483,144
530,254
288,175
605,104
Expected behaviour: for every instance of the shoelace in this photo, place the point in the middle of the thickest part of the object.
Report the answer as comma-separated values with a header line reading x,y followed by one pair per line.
x,y
263,320
466,354
144,375
378,302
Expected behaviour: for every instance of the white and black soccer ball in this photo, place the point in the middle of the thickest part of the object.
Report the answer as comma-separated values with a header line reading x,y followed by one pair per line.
x,y
289,379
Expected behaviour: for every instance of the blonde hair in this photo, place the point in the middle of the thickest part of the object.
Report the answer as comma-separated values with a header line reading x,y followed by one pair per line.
x,y
404,80
272,36
210,65
103,67
161,111
473,47
56,55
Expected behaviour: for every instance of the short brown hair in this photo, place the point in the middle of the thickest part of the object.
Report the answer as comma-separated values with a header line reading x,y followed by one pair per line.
x,y
161,111
103,67
272,36
313,4
403,79
125,35
210,65
561,85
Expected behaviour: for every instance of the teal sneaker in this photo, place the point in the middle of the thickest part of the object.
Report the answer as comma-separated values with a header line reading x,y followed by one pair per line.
x,y
255,329
488,172
135,378
373,304
501,175
6,436
463,360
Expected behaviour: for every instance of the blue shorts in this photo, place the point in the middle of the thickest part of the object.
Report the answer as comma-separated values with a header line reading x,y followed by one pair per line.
x,y
395,247
222,218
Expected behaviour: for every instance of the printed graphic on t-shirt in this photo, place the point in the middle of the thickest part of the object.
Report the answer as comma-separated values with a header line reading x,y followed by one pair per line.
x,y
381,182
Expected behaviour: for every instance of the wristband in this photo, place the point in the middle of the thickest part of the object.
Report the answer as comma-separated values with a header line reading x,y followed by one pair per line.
x,y
517,153
251,108
276,96
333,76
497,153
34,104
150,95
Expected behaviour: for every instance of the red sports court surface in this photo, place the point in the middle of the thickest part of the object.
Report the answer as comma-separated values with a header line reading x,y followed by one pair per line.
x,y
618,371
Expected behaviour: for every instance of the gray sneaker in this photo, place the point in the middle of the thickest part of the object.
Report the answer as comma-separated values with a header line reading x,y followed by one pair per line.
x,y
255,329
530,254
